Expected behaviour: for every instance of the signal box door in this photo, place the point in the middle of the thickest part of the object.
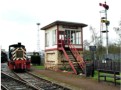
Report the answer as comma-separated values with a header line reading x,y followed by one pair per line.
x,y
65,37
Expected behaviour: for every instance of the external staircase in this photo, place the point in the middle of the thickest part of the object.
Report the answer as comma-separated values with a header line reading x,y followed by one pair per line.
x,y
73,57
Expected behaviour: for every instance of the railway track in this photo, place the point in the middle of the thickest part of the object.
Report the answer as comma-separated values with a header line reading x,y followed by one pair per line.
x,y
3,87
31,79
39,82
6,70
10,83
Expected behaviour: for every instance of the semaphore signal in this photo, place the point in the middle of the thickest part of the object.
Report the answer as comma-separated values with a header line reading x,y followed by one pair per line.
x,y
106,23
104,5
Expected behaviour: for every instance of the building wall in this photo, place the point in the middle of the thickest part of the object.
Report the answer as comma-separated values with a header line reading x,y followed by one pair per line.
x,y
50,33
61,60
51,59
54,60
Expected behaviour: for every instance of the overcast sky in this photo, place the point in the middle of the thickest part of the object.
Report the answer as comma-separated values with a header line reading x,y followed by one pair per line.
x,y
18,18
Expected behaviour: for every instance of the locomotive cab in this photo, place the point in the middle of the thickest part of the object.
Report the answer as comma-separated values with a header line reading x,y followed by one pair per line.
x,y
17,57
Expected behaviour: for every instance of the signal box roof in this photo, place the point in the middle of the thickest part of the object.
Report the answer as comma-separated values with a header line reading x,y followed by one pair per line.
x,y
63,23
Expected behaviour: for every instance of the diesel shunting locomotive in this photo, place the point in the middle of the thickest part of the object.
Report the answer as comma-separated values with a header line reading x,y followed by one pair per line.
x,y
17,57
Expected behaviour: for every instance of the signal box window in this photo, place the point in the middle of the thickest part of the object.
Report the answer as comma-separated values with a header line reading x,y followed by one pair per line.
x,y
46,39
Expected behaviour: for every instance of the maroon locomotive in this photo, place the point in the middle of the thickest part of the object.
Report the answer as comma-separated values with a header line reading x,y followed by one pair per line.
x,y
17,57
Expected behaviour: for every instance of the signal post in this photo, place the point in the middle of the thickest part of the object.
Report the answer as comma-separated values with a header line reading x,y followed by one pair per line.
x,y
106,23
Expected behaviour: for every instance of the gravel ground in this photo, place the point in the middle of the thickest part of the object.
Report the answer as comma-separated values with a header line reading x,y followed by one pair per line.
x,y
75,82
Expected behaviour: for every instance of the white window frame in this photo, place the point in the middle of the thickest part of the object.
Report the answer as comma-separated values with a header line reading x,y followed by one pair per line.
x,y
53,37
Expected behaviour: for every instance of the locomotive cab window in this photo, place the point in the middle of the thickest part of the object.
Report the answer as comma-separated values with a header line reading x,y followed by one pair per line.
x,y
12,48
19,54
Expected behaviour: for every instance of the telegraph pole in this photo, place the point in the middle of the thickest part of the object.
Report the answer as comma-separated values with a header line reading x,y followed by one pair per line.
x,y
38,39
106,22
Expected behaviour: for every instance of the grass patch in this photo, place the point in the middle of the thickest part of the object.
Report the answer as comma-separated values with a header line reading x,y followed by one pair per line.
x,y
39,67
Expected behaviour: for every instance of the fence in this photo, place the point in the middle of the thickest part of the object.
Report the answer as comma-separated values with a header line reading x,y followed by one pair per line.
x,y
108,65
110,56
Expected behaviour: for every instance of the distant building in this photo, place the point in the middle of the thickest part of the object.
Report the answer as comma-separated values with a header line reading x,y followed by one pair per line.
x,y
29,54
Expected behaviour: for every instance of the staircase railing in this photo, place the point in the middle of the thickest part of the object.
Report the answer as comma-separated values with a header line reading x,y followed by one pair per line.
x,y
66,56
76,54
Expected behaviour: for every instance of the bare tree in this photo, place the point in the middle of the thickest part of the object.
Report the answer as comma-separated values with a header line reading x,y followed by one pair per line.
x,y
118,31
95,39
